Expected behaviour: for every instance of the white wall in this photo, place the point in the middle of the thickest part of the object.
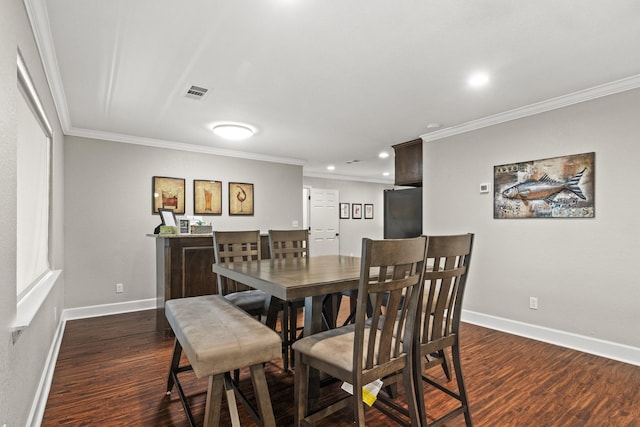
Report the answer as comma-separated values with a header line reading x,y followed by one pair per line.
x,y
353,230
582,270
22,364
108,211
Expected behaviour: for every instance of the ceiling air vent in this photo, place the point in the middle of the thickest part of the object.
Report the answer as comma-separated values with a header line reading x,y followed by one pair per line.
x,y
196,92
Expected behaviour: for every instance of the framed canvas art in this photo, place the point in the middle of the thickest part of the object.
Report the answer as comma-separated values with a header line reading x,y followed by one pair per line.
x,y
240,198
167,193
207,197
558,187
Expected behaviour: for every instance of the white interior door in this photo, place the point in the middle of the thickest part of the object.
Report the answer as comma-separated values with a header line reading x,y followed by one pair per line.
x,y
324,222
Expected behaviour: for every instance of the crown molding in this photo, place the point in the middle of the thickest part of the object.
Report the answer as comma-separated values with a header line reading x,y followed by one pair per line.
x,y
39,20
606,89
172,145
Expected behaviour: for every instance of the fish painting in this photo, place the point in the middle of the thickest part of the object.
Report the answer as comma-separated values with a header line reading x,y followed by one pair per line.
x,y
544,188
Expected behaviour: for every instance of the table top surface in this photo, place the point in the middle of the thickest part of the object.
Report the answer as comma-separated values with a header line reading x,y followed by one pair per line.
x,y
294,278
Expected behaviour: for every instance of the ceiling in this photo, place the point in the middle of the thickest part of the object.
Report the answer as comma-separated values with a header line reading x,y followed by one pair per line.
x,y
325,81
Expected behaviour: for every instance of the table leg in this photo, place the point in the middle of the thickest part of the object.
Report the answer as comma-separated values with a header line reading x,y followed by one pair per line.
x,y
313,325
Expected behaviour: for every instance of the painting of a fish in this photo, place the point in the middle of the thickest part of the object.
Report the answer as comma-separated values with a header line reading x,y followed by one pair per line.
x,y
544,188
559,187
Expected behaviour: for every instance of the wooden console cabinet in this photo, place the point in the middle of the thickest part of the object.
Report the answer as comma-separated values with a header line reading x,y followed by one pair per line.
x,y
183,269
408,163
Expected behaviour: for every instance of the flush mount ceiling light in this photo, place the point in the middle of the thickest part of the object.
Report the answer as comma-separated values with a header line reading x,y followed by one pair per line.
x,y
383,155
233,131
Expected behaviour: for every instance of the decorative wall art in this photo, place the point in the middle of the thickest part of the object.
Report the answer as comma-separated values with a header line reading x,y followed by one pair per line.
x,y
240,198
207,197
559,187
344,210
167,193
368,211
356,210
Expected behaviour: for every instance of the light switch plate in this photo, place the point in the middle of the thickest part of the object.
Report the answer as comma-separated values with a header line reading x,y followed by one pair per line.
x,y
485,187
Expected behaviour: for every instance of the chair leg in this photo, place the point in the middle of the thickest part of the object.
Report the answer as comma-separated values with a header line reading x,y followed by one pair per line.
x,y
300,391
293,332
457,366
284,333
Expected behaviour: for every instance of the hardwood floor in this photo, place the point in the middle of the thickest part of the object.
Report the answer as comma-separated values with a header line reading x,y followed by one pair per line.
x,y
112,371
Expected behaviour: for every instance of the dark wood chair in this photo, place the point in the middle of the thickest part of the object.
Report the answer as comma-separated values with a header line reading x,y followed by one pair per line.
x,y
360,353
285,244
445,277
240,246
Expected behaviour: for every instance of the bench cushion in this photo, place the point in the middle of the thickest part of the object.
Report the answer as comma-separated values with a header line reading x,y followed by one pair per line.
x,y
219,337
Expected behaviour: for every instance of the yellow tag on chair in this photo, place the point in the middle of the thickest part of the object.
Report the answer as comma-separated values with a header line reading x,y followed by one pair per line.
x,y
369,392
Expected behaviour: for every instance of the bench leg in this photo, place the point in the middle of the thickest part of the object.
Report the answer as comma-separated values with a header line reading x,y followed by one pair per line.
x,y
262,396
231,400
175,361
214,398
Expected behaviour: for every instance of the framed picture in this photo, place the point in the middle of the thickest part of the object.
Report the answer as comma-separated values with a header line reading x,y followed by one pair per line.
x,y
558,187
344,210
368,211
168,217
207,197
240,198
356,210
184,226
167,193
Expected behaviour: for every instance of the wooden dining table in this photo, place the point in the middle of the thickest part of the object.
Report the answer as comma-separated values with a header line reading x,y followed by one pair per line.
x,y
291,279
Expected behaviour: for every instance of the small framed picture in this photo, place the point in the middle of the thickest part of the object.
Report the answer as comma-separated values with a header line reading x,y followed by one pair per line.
x,y
356,210
240,198
344,210
168,193
207,197
368,211
168,217
184,226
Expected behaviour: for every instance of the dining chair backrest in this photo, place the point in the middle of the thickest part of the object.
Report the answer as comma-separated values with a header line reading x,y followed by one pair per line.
x,y
391,279
235,246
288,243
445,276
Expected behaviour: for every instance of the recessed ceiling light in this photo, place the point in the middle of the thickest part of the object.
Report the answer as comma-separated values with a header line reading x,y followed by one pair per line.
x,y
233,131
478,79
383,155
385,174
331,167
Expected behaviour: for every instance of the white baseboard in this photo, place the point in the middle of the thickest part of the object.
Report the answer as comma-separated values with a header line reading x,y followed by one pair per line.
x,y
42,393
108,309
611,350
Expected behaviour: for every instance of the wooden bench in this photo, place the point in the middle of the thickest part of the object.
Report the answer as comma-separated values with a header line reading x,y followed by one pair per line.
x,y
218,338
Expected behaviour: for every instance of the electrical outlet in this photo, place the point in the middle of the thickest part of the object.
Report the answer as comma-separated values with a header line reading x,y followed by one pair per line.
x,y
119,288
533,303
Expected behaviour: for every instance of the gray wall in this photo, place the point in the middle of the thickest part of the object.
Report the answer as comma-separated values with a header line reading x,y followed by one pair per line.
x,y
582,270
22,363
108,210
353,230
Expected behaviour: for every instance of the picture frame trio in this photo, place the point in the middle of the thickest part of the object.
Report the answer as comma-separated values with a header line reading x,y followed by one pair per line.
x,y
354,211
169,194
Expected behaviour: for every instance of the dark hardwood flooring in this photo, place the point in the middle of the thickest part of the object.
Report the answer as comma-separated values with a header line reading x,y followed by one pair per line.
x,y
112,371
